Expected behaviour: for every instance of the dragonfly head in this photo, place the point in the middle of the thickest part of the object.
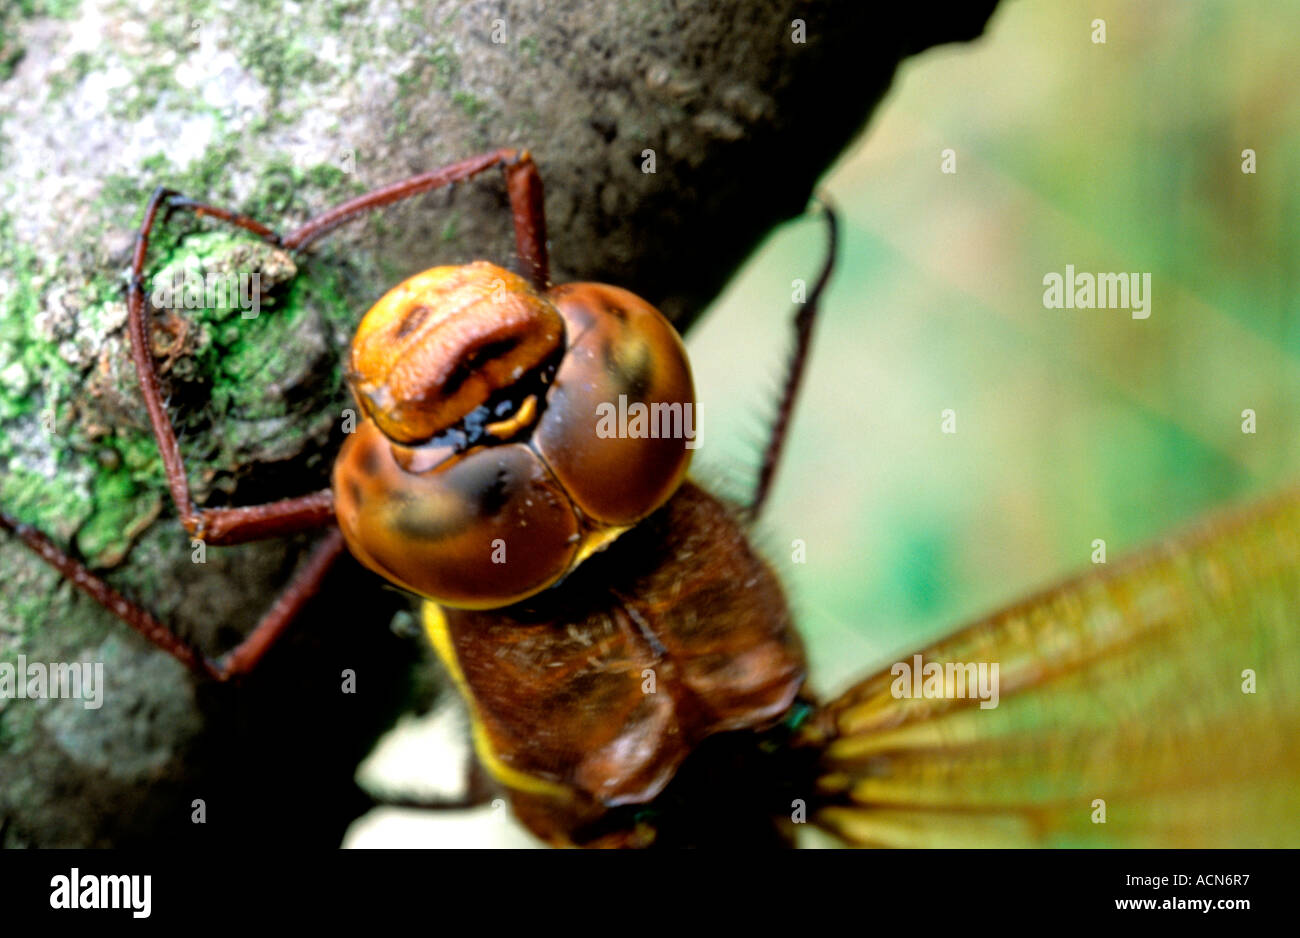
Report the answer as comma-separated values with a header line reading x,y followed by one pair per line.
x,y
506,433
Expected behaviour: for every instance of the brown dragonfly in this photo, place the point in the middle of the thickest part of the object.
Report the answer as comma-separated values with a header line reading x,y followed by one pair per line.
x,y
630,662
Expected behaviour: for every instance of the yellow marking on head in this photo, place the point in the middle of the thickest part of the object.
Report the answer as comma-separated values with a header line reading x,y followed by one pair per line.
x,y
523,417
435,626
596,541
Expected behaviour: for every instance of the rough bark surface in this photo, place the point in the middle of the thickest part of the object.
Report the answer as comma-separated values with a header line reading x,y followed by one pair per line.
x,y
282,110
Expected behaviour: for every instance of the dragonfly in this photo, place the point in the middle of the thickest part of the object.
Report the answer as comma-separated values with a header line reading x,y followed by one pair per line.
x,y
630,663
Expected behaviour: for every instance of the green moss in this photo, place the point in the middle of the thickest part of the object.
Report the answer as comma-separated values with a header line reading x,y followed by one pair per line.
x,y
31,497
436,66
529,49
281,190
37,385
18,724
158,33
471,106
71,75
11,53
123,507
235,361
449,230
118,190
59,9
325,176
401,37
443,61
13,13
121,199
336,13
278,189
272,46
106,512
281,187
18,305
146,90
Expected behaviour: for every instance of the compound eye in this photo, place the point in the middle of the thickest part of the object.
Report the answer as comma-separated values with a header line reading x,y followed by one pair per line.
x,y
620,424
444,342
482,529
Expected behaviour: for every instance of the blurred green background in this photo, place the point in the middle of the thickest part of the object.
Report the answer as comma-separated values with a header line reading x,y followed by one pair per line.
x,y
1071,424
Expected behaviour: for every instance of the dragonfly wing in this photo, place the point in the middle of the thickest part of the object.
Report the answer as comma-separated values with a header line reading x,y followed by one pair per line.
x,y
1153,702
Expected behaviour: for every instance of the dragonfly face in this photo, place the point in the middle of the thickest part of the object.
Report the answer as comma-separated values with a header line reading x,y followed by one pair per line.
x,y
486,466
500,452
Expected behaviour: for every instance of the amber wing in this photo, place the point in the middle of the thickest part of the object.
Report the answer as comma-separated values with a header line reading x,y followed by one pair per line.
x,y
1154,702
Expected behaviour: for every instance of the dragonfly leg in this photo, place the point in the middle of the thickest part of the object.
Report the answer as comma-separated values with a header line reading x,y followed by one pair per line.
x,y
523,184
804,317
221,525
239,660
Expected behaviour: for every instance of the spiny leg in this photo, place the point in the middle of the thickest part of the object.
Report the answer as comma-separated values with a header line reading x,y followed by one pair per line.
x,y
239,660
804,318
523,184
203,209
276,620
217,525
527,212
